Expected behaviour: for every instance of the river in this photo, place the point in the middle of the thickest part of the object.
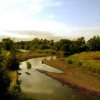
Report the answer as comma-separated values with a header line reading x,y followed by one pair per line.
x,y
37,85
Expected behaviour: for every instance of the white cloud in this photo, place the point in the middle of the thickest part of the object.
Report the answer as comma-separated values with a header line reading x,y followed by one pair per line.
x,y
14,34
51,17
16,14
33,6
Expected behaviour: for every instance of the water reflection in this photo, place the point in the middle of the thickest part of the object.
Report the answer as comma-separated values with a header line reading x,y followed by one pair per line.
x,y
43,87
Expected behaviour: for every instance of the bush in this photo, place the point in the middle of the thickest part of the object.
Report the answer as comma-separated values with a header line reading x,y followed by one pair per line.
x,y
80,64
69,61
11,61
28,65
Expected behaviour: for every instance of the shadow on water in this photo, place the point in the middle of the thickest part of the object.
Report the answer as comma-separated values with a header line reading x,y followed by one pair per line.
x,y
42,87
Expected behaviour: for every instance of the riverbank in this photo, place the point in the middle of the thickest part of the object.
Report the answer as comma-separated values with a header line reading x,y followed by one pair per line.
x,y
75,77
22,56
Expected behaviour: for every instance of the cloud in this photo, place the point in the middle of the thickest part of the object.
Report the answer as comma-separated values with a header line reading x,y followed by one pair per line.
x,y
14,34
33,6
71,2
51,17
17,14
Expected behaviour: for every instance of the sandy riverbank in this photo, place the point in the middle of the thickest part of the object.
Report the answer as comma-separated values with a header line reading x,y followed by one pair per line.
x,y
75,77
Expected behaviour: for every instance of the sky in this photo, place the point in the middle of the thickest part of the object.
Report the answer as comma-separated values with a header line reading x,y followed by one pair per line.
x,y
71,18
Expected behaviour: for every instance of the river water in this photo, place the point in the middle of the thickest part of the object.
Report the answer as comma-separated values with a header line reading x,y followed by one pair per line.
x,y
37,85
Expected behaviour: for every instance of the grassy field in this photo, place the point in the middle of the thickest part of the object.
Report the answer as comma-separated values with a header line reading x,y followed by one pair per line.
x,y
89,61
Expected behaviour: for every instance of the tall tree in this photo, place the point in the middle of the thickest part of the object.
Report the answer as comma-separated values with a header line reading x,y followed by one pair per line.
x,y
7,44
94,43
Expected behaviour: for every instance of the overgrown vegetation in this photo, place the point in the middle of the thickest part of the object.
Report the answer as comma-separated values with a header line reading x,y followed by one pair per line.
x,y
8,62
90,61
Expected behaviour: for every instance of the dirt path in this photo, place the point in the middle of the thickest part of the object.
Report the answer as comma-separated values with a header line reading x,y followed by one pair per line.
x,y
75,77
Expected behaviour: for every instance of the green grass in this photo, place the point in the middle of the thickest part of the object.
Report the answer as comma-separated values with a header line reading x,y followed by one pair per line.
x,y
88,60
4,52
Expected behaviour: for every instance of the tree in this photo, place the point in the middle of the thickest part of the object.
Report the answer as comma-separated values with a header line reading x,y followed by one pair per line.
x,y
11,61
80,41
73,47
64,45
57,46
4,82
94,43
7,44
78,45
44,46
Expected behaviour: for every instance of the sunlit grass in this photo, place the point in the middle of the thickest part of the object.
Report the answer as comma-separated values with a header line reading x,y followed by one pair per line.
x,y
4,52
87,60
13,78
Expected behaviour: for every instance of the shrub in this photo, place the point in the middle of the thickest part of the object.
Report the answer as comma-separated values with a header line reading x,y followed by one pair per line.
x,y
28,65
80,64
69,61
11,61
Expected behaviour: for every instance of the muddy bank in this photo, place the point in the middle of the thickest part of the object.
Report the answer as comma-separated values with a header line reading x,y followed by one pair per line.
x,y
74,77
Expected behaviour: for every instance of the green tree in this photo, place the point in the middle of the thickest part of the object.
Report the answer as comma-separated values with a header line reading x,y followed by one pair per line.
x,y
94,43
7,44
64,45
4,82
11,61
57,46
78,45
44,46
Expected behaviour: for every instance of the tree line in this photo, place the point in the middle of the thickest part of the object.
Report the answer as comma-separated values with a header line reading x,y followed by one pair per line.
x,y
65,45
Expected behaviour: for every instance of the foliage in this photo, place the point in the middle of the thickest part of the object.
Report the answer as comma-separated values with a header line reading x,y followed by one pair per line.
x,y
28,65
35,44
94,44
64,45
4,82
7,44
11,61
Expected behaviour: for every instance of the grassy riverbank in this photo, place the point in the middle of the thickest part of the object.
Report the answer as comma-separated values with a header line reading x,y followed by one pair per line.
x,y
22,56
90,61
80,78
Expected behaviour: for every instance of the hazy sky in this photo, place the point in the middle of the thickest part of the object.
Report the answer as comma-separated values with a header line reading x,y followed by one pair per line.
x,y
62,17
